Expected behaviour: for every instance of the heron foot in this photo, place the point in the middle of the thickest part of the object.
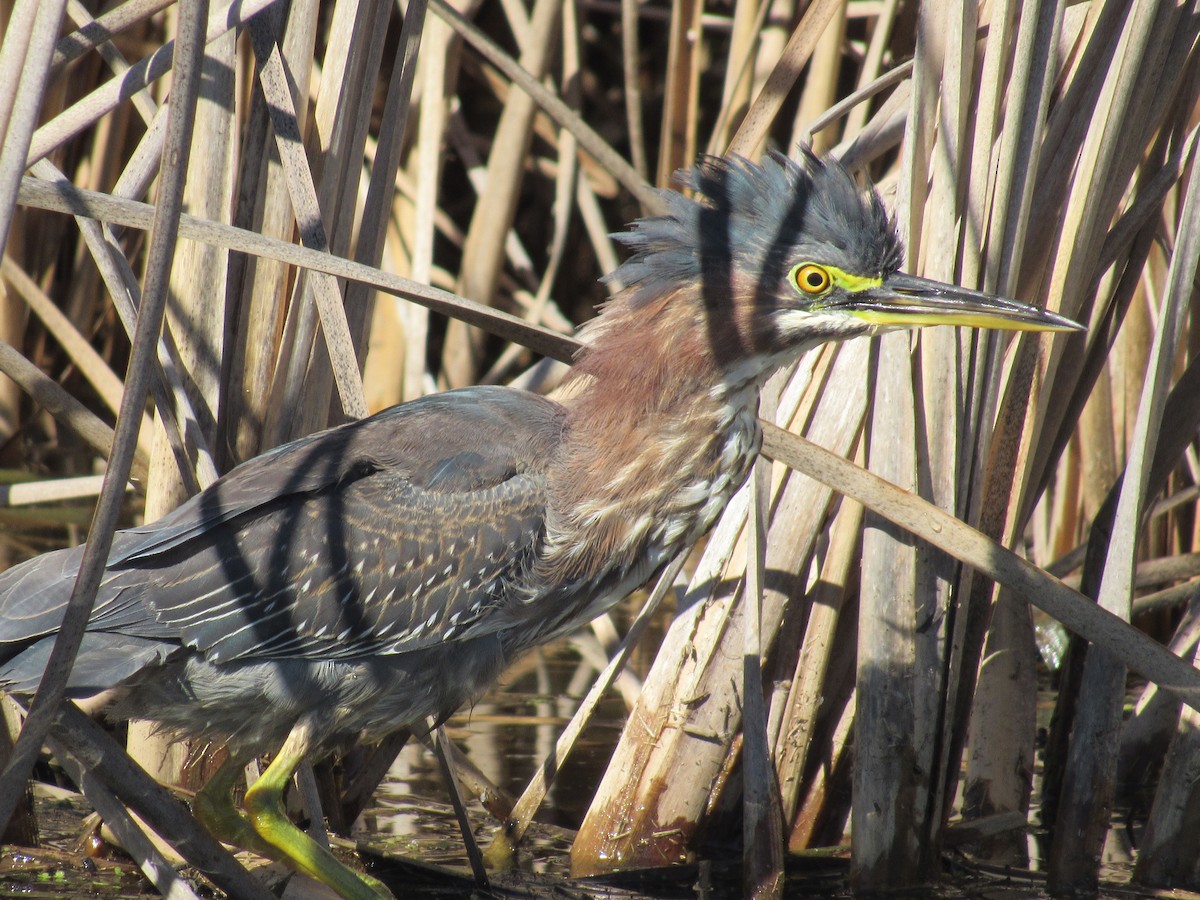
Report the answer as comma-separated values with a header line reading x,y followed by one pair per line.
x,y
266,816
214,808
265,828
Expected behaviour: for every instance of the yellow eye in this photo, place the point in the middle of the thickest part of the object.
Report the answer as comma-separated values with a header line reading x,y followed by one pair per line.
x,y
811,278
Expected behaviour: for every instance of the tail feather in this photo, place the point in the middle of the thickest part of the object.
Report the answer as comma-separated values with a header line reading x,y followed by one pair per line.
x,y
104,660
34,594
123,635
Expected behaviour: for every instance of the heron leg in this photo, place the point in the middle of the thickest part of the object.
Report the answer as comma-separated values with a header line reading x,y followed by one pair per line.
x,y
266,816
213,806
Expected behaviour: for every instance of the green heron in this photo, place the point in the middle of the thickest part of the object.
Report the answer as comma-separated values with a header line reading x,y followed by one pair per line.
x,y
383,572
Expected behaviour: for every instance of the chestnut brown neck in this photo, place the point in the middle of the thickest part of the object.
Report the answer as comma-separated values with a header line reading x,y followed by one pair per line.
x,y
655,443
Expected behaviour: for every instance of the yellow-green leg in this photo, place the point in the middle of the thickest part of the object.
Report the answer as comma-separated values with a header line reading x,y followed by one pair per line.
x,y
266,815
214,808
264,827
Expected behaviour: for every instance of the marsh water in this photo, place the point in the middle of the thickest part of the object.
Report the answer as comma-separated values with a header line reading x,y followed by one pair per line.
x,y
507,735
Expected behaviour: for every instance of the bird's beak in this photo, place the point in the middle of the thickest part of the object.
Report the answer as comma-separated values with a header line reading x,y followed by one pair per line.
x,y
906,301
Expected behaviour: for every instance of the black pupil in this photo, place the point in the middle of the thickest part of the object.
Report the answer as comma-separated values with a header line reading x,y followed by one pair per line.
x,y
815,279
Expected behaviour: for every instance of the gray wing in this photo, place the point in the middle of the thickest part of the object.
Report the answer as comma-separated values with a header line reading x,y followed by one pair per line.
x,y
381,536
123,635
375,566
455,441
